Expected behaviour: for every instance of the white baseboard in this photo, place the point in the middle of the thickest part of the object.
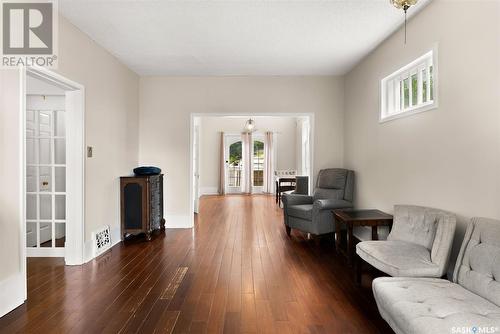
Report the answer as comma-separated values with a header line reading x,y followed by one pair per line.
x,y
45,252
179,221
172,221
209,191
12,293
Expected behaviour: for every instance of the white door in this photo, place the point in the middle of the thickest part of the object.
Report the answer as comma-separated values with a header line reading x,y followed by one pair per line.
x,y
234,167
45,175
257,164
196,167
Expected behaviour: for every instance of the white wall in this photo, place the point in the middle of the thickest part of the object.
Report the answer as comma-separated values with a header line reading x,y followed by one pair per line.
x,y
111,127
166,104
10,191
111,123
284,129
449,157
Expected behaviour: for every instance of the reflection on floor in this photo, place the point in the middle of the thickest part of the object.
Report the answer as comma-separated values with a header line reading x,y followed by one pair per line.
x,y
59,243
236,271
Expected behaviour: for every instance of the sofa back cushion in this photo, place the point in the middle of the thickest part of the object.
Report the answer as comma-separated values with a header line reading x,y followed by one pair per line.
x,y
334,183
332,178
478,264
417,224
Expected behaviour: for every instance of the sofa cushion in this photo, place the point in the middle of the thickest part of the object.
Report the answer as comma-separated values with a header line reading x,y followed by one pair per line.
x,y
303,211
431,305
416,224
478,264
398,258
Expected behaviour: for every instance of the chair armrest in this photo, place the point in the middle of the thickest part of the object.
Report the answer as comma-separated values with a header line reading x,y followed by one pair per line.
x,y
296,199
331,204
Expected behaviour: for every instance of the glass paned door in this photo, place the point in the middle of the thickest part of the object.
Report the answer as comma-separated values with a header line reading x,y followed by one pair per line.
x,y
258,165
234,166
45,177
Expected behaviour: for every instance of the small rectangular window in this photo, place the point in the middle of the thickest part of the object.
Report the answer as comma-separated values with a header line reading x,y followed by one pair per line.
x,y
410,89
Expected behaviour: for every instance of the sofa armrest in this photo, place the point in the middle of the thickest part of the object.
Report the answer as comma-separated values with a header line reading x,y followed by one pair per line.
x,y
331,204
296,199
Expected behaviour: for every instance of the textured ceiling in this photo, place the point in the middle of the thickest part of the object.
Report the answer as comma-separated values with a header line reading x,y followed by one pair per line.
x,y
155,37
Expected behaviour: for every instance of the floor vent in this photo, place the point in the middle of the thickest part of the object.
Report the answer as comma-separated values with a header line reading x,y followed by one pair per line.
x,y
102,240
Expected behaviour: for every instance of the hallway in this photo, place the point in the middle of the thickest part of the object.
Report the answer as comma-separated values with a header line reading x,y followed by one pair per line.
x,y
237,271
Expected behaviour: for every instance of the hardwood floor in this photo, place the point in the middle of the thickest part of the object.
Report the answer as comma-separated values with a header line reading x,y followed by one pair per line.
x,y
236,272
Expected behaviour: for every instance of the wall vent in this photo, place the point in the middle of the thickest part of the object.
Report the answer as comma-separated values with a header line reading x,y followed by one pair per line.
x,y
102,240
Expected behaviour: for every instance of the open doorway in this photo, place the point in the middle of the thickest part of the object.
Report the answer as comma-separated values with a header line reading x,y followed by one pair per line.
x,y
226,161
53,162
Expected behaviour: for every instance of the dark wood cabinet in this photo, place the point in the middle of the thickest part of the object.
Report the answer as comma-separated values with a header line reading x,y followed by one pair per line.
x,y
141,205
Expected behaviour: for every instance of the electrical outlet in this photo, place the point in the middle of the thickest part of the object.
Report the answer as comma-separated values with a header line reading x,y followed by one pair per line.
x,y
89,151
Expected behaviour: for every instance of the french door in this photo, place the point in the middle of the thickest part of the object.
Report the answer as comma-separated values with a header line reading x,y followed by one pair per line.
x,y
235,168
234,163
45,175
257,165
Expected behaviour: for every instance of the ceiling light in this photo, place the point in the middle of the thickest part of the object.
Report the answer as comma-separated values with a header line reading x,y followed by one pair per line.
x,y
250,125
404,5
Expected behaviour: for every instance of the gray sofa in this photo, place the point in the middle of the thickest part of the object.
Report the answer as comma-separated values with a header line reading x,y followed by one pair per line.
x,y
419,244
431,305
313,214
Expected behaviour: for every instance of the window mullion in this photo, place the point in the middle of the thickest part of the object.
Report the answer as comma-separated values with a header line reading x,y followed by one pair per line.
x,y
420,86
428,72
402,96
410,90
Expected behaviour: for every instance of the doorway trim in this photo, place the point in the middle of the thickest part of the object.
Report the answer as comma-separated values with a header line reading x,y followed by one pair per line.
x,y
194,116
75,161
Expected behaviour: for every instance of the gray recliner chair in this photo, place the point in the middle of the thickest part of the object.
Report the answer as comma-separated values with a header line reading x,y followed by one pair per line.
x,y
313,214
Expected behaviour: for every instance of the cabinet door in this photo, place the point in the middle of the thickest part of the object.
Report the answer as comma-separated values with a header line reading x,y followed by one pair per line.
x,y
134,201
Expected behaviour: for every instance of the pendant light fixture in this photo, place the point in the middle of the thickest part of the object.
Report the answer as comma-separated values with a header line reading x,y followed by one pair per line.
x,y
404,5
250,125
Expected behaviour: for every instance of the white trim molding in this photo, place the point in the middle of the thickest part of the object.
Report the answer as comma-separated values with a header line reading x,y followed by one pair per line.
x,y
74,252
179,221
204,191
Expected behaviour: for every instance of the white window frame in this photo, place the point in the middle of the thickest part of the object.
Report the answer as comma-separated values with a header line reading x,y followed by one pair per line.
x,y
387,89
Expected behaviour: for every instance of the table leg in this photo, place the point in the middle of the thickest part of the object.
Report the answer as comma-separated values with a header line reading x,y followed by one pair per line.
x,y
337,235
358,269
375,232
350,244
277,190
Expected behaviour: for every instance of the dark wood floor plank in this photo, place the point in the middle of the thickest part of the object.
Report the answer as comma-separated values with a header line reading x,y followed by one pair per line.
x,y
236,272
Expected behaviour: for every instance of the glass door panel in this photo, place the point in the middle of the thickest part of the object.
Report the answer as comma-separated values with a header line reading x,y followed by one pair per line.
x,y
45,177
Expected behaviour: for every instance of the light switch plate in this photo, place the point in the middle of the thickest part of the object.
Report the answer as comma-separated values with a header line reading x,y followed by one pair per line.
x,y
89,151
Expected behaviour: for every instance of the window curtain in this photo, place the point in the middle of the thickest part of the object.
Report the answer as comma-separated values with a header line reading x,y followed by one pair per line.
x,y
246,182
269,162
222,166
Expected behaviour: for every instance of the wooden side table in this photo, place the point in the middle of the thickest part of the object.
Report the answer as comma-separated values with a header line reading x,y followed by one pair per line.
x,y
352,218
